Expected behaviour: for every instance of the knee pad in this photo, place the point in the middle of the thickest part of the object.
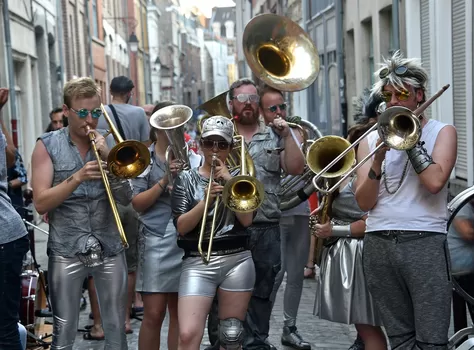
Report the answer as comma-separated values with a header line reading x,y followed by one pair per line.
x,y
231,333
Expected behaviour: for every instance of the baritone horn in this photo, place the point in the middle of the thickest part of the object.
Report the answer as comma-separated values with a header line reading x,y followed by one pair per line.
x,y
171,120
128,158
398,127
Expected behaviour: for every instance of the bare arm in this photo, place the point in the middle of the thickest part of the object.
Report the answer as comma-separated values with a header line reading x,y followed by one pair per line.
x,y
465,228
144,200
292,158
188,221
245,219
444,156
367,190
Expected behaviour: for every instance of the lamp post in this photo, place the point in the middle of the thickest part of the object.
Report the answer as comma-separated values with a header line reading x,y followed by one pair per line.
x,y
133,43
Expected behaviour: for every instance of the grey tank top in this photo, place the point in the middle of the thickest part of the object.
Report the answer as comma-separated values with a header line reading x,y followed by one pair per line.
x,y
345,209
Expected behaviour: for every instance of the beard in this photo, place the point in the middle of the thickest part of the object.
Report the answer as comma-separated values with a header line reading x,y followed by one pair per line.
x,y
247,116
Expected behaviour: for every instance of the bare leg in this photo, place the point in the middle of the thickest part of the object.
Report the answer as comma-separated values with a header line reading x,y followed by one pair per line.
x,y
154,312
373,337
309,268
192,314
96,331
173,329
130,295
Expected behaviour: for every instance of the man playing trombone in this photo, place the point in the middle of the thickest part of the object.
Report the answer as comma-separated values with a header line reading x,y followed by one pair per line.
x,y
405,194
83,239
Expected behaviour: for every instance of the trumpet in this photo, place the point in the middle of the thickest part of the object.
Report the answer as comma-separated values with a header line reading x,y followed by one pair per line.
x,y
398,127
108,190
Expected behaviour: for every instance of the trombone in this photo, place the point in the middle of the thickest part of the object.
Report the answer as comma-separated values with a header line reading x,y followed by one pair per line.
x,y
241,194
398,127
108,190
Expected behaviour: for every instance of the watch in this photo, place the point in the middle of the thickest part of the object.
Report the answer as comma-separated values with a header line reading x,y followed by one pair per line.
x,y
373,175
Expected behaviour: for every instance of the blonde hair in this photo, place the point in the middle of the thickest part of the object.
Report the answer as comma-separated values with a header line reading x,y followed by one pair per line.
x,y
80,88
415,75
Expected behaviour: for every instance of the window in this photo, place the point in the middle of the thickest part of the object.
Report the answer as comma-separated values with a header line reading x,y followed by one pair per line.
x,y
371,56
95,19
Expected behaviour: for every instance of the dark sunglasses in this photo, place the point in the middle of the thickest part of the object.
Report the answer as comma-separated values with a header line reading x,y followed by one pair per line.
x,y
243,98
210,144
402,95
274,108
96,113
400,71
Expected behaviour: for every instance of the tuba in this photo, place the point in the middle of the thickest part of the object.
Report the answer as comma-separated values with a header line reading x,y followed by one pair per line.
x,y
276,49
218,106
171,120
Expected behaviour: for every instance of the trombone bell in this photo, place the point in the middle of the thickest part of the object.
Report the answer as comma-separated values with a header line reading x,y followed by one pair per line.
x,y
280,53
326,149
399,128
243,194
128,159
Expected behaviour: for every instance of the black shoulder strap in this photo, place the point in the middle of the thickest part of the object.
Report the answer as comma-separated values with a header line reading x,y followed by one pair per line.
x,y
117,120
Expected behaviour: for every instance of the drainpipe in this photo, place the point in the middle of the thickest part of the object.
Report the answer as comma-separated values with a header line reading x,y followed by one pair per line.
x,y
340,65
89,39
304,25
395,25
11,74
60,41
145,58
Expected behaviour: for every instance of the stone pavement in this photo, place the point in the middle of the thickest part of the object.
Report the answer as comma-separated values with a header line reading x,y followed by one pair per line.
x,y
322,335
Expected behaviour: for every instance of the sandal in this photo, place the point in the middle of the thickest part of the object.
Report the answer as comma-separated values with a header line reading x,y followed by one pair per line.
x,y
89,336
311,274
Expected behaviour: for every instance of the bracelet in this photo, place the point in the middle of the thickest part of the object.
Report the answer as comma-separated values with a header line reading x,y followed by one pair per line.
x,y
341,231
159,184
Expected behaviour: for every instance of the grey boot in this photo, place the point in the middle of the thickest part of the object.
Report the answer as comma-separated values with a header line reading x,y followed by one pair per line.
x,y
293,339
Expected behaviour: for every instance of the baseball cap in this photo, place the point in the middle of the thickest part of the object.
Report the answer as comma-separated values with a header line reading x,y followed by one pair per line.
x,y
218,126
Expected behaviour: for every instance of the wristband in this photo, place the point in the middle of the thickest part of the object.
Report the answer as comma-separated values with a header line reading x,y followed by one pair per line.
x,y
419,157
159,184
341,231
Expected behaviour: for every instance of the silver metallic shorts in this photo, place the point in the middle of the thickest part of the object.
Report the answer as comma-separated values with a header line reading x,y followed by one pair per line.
x,y
233,273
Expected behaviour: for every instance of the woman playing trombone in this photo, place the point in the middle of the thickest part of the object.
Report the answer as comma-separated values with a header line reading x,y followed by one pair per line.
x,y
230,268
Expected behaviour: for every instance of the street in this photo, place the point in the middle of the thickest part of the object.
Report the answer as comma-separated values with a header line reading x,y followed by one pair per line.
x,y
322,335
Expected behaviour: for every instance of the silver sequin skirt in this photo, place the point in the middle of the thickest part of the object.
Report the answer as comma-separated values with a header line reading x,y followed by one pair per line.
x,y
342,295
159,261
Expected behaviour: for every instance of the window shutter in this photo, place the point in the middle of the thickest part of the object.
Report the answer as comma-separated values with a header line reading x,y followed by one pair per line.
x,y
425,44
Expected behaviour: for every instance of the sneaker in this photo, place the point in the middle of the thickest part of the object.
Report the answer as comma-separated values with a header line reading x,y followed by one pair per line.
x,y
293,339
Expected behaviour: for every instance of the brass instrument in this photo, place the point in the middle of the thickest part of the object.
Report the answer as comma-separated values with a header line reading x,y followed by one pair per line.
x,y
207,258
128,158
108,190
398,128
280,53
243,193
171,120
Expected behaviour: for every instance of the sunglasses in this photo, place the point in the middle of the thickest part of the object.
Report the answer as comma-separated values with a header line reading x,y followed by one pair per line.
x,y
400,95
210,144
96,113
242,98
274,108
400,71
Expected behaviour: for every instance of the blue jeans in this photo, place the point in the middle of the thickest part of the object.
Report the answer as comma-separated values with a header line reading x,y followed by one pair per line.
x,y
11,261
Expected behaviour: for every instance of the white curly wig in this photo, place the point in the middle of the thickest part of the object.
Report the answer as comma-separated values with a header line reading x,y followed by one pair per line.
x,y
415,75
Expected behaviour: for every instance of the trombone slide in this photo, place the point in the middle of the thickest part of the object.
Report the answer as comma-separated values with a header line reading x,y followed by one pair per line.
x,y
108,190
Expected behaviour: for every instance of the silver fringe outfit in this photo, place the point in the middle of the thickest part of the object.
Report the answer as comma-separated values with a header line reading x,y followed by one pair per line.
x,y
342,294
84,240
231,267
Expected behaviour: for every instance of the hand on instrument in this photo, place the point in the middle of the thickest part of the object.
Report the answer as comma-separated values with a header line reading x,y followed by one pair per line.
x,y
380,154
280,126
216,190
100,143
222,172
175,167
90,171
323,231
4,92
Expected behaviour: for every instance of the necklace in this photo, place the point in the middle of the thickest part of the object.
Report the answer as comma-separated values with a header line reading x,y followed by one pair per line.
x,y
384,177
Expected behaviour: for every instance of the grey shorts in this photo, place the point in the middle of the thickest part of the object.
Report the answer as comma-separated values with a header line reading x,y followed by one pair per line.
x,y
233,273
130,223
